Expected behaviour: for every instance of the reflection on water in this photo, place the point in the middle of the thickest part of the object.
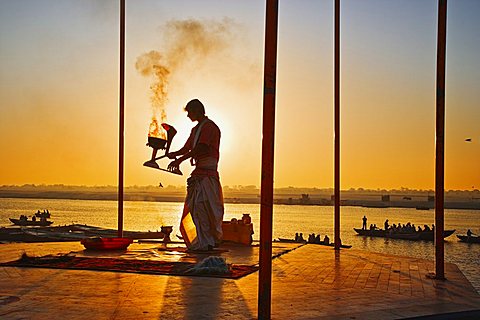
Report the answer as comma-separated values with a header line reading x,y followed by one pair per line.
x,y
145,216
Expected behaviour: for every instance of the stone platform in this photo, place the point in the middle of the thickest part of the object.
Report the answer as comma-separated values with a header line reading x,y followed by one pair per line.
x,y
309,282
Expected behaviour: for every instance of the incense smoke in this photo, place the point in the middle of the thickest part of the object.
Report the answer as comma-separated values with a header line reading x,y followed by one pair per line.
x,y
186,42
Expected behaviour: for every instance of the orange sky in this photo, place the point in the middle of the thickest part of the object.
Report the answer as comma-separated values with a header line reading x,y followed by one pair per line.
x,y
59,99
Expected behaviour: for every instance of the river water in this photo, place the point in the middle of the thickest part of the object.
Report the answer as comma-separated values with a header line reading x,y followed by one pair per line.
x,y
143,216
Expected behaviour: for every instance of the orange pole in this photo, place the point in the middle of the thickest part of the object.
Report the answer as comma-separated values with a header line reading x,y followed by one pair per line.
x,y
440,141
121,126
268,148
337,127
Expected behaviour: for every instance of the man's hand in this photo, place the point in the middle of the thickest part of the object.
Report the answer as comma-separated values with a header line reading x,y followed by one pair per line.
x,y
174,165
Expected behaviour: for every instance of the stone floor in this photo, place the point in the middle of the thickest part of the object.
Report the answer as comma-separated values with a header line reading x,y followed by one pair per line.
x,y
309,282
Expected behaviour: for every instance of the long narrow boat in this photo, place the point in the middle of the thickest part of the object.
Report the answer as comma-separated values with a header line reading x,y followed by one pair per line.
x,y
20,222
284,240
74,232
471,239
414,236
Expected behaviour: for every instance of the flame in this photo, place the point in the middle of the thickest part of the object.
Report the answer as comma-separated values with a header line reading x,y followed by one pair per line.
x,y
156,131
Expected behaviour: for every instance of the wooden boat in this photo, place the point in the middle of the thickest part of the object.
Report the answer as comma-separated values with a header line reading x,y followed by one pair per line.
x,y
20,222
284,240
73,232
414,236
99,243
471,239
289,240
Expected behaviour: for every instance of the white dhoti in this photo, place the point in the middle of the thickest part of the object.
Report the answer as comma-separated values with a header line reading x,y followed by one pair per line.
x,y
201,223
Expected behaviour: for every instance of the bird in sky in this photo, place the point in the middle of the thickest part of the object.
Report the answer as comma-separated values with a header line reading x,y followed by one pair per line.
x,y
160,185
468,140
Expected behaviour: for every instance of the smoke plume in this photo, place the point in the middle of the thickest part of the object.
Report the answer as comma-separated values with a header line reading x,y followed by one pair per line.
x,y
187,43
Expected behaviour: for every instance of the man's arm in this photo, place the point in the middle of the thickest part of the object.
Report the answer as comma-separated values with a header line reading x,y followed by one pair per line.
x,y
199,150
182,151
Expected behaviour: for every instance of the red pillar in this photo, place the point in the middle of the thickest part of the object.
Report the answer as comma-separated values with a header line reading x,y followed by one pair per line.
x,y
337,127
440,141
121,113
266,208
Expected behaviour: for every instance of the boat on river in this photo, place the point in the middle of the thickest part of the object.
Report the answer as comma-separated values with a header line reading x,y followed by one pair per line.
x,y
74,232
321,243
24,222
468,239
427,235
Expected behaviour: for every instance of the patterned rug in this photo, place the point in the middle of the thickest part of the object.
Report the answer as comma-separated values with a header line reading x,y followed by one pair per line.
x,y
128,265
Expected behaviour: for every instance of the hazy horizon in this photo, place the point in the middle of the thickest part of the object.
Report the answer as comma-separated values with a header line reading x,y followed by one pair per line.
x,y
231,187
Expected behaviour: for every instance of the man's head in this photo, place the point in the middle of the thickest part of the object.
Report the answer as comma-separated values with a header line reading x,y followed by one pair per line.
x,y
195,110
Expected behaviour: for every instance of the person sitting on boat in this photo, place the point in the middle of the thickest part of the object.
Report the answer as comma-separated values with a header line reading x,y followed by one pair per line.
x,y
326,240
297,237
300,238
375,226
433,227
23,217
371,226
385,225
318,239
311,238
426,228
420,229
34,218
469,233
364,225
413,229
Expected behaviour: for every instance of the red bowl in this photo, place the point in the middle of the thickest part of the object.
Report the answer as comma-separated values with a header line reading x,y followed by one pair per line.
x,y
98,243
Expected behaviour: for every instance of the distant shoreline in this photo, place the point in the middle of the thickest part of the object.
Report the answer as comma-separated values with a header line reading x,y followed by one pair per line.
x,y
241,199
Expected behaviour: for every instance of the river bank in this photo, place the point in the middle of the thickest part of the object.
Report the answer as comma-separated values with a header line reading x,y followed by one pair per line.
x,y
355,200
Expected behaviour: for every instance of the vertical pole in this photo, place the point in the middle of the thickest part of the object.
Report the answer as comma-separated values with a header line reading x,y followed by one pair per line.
x,y
440,141
268,146
121,125
337,127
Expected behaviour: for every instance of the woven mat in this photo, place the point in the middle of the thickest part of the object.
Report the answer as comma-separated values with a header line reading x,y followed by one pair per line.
x,y
125,265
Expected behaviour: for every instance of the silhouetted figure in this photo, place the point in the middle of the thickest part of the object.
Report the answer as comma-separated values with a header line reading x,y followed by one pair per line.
x,y
204,200
364,225
326,240
300,238
296,237
318,239
426,228
311,238
385,225
34,219
469,233
420,229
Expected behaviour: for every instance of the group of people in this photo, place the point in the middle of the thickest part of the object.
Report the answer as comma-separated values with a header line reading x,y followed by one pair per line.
x,y
312,238
42,215
34,218
407,228
403,228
